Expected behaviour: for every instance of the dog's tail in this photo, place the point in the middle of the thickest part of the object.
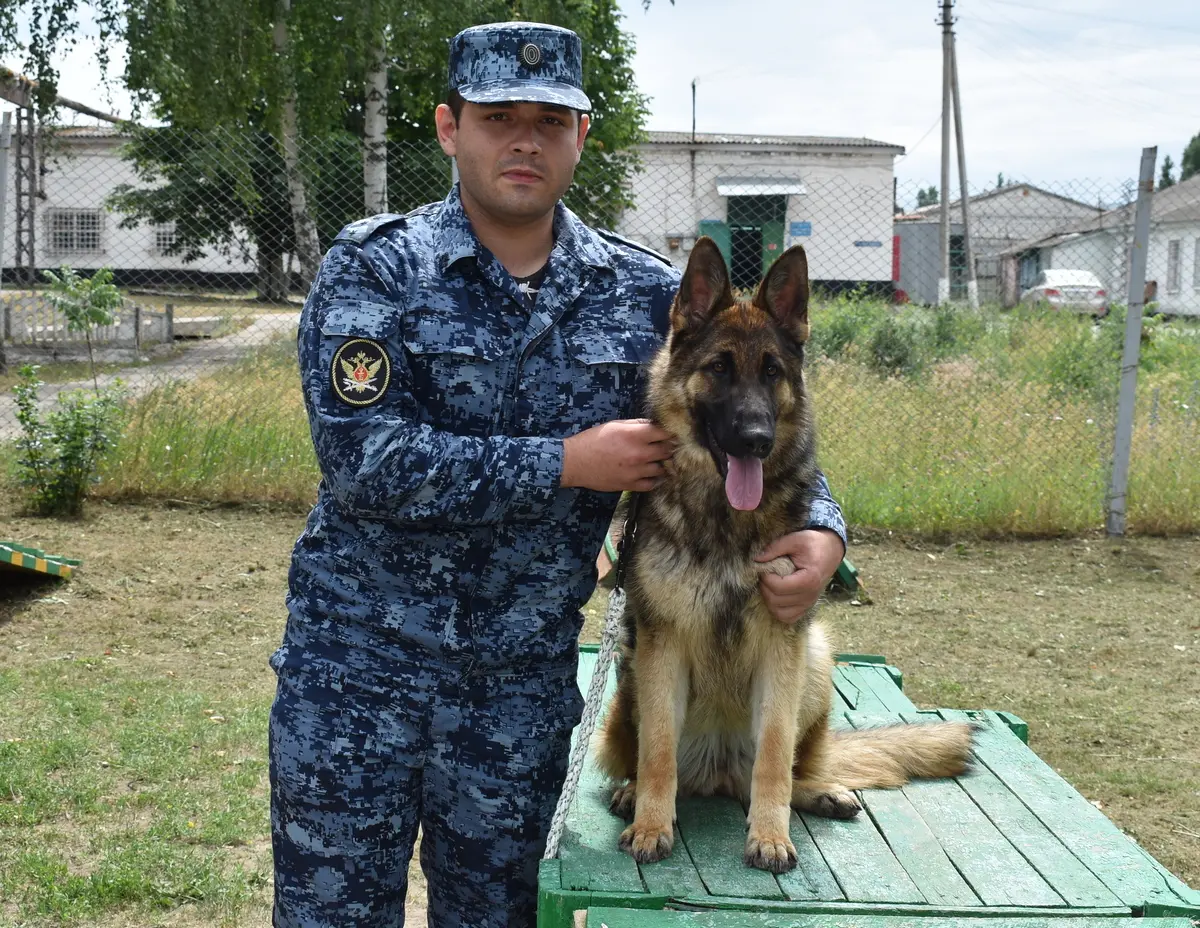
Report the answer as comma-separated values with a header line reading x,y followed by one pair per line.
x,y
884,757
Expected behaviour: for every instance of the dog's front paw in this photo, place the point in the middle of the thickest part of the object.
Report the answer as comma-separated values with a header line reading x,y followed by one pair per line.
x,y
624,800
647,843
775,853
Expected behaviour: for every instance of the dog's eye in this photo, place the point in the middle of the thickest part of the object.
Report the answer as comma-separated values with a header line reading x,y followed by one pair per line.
x,y
718,366
772,370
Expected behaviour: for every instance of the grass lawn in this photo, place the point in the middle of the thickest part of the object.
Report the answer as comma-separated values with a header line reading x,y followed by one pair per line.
x,y
133,718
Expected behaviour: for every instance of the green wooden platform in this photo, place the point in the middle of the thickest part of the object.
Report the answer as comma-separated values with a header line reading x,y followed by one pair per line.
x,y
1010,841
19,558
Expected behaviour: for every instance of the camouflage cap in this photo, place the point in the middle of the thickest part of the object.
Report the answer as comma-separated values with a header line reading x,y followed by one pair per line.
x,y
518,62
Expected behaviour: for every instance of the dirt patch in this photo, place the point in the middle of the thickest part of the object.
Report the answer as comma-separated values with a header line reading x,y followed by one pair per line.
x,y
1095,644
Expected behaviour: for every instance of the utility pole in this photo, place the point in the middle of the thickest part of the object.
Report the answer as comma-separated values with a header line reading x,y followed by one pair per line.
x,y
964,191
693,111
946,23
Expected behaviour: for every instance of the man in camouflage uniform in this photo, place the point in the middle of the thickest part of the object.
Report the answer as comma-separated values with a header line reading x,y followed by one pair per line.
x,y
471,371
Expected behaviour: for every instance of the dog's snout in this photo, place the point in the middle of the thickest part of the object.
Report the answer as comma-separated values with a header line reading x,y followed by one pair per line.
x,y
758,440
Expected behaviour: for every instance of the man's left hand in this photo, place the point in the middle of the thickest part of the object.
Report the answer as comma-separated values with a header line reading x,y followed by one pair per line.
x,y
815,553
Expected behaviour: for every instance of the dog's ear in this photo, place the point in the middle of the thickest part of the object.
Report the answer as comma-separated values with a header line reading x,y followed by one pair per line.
x,y
704,288
784,291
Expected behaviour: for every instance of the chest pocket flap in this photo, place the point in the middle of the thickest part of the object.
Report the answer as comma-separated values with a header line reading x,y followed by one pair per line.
x,y
612,346
427,334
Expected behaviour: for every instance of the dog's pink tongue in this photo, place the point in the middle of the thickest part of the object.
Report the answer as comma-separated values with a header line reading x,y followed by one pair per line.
x,y
744,483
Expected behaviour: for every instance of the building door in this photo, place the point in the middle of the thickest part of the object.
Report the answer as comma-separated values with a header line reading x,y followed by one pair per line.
x,y
756,236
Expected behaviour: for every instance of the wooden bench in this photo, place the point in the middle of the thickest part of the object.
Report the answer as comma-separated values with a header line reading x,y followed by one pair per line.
x,y
1010,841
20,558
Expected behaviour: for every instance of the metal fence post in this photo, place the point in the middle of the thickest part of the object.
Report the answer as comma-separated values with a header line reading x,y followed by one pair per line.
x,y
5,147
1123,440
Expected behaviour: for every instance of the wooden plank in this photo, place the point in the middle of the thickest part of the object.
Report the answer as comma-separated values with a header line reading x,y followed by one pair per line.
x,y
845,687
882,684
917,849
1041,917
676,875
1095,841
812,878
714,830
1056,864
590,857
864,866
994,868
633,918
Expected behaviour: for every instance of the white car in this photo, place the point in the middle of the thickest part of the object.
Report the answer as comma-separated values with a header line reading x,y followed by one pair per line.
x,y
1060,288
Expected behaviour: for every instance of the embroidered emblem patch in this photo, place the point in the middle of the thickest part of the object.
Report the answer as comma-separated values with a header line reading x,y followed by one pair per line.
x,y
360,372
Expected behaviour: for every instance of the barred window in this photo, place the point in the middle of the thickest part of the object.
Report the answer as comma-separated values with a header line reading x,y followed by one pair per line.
x,y
74,231
164,238
1173,266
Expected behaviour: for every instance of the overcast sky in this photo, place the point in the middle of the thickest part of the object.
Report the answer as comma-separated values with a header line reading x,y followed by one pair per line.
x,y
1054,91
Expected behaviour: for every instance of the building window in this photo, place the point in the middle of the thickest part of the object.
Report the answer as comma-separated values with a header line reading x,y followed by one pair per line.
x,y
74,231
164,238
1173,266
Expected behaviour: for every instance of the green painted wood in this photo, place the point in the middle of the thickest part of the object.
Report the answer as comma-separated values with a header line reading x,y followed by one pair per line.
x,y
917,849
590,857
1038,916
1056,864
880,682
994,868
845,686
24,559
866,701
811,879
846,657
861,861
1095,841
714,830
845,576
676,875
632,918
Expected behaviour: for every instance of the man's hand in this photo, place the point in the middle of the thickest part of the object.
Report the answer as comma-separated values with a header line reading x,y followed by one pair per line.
x,y
626,454
815,553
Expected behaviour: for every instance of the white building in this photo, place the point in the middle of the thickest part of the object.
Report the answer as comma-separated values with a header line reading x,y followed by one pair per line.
x,y
757,195
1102,245
79,169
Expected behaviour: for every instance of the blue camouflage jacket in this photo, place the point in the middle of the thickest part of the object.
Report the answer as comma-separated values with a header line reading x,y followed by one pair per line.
x,y
438,401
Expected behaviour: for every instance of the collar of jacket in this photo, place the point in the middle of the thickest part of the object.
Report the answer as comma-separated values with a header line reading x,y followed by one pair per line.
x,y
456,239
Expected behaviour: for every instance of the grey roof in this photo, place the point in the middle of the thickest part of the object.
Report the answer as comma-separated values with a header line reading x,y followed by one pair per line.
x,y
1177,203
926,212
791,141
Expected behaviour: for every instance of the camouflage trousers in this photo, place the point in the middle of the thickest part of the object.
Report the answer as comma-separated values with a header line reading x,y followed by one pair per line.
x,y
359,760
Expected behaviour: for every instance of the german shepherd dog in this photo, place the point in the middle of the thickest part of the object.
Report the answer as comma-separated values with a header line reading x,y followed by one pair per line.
x,y
714,695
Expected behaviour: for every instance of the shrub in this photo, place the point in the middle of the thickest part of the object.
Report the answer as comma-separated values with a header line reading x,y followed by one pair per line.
x,y
58,457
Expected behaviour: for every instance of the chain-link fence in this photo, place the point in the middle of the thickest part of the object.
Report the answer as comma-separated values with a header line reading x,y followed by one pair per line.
x,y
935,414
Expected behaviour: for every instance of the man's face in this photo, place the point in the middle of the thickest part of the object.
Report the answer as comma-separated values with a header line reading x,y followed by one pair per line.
x,y
515,160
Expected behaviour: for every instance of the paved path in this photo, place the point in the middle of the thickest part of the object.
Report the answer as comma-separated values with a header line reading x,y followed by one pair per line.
x,y
207,356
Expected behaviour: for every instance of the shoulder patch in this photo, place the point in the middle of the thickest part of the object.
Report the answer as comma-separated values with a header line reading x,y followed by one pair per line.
x,y
360,372
636,246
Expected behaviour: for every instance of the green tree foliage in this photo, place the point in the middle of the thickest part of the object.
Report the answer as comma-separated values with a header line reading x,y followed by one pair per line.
x,y
1167,177
37,30
927,197
210,66
85,301
1191,159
